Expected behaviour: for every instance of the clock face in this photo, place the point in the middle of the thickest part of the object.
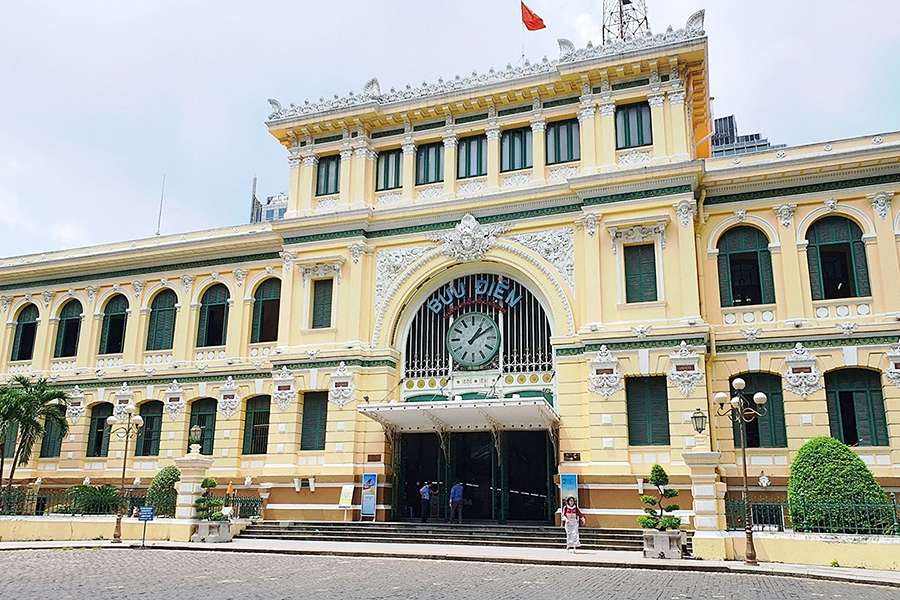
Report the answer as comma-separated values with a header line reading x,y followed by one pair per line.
x,y
473,339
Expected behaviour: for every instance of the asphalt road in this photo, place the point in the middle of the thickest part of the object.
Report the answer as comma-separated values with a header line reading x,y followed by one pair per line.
x,y
101,574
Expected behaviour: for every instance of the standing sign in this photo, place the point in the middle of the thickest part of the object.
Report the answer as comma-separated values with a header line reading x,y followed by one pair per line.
x,y
369,494
145,513
568,486
346,501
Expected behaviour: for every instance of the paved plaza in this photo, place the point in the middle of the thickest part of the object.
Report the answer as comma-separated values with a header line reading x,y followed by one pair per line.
x,y
103,573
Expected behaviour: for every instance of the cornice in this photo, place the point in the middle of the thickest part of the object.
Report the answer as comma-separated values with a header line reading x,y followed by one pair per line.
x,y
570,58
807,184
775,344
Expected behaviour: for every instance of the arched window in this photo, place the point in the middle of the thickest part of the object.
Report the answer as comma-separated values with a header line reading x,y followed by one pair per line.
x,y
266,302
26,329
161,330
856,407
837,259
68,330
115,316
745,268
9,439
256,425
213,316
148,436
51,441
768,430
98,434
203,413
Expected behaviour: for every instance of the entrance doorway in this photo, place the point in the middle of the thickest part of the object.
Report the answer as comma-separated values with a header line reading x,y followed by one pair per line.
x,y
505,478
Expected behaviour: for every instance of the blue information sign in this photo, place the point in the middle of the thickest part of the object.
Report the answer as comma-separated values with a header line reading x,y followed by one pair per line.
x,y
146,513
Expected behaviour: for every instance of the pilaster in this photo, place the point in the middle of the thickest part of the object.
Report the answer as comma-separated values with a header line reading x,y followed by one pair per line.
x,y
586,125
885,266
680,145
658,124
450,149
493,156
347,193
286,316
409,168
307,187
294,182
539,148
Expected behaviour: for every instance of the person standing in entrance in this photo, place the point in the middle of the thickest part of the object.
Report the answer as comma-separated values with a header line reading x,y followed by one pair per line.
x,y
425,494
572,519
456,500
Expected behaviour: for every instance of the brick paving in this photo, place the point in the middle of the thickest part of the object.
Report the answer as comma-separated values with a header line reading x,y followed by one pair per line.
x,y
100,574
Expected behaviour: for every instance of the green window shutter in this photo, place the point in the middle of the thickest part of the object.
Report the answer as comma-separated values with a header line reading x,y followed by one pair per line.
x,y
640,273
322,299
269,291
104,334
9,444
775,418
834,414
648,411
767,284
633,126
328,175
248,430
725,280
257,321
161,329
862,412
879,419
315,413
860,269
736,432
203,414
60,335
202,326
23,340
815,272
256,419
51,441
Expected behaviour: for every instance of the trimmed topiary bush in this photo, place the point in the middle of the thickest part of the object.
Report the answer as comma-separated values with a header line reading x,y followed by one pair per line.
x,y
161,494
832,490
656,509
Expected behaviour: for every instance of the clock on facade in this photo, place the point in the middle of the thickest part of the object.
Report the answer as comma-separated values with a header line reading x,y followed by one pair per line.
x,y
473,339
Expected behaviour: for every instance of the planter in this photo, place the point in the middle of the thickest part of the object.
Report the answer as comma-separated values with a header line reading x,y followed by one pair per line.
x,y
662,544
212,532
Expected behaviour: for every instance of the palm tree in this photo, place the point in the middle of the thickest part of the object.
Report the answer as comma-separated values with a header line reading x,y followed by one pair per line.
x,y
36,405
7,424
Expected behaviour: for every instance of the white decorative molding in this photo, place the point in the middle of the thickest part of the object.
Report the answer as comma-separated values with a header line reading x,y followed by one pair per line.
x,y
4,303
284,390
341,388
605,378
686,373
881,203
322,269
138,287
124,397
240,275
75,407
516,180
655,100
174,399
229,399
892,373
47,297
785,214
636,234
589,222
388,199
740,215
634,158
560,174
471,187
641,331
432,192
186,282
847,329
374,96
686,209
831,204
469,240
801,377
556,246
357,249
388,266
327,203
287,258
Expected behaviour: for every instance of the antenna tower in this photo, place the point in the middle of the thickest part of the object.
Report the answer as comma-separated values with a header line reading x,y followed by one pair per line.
x,y
624,19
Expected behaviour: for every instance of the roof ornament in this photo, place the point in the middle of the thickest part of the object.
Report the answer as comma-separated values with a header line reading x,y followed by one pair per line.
x,y
565,47
372,87
695,22
277,111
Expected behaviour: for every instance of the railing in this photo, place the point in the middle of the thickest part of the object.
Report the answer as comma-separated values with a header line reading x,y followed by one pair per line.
x,y
244,506
871,518
20,502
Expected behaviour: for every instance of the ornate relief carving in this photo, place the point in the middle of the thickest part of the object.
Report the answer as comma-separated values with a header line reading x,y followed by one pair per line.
x,y
686,373
641,331
357,249
469,240
284,390
801,376
556,246
229,399
240,275
516,180
831,204
388,266
186,282
893,371
388,200
751,333
327,203
881,203
686,208
605,379
634,158
341,388
47,297
635,234
75,407
287,258
560,174
785,213
474,186
124,397
321,270
740,215
589,222
174,399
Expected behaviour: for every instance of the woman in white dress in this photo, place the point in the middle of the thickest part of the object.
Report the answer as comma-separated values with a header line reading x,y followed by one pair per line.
x,y
572,519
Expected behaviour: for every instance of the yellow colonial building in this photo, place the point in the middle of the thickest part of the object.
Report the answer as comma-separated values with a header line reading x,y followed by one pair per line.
x,y
498,278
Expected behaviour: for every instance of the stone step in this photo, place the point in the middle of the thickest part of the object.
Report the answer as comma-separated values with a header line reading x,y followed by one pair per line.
x,y
455,542
486,539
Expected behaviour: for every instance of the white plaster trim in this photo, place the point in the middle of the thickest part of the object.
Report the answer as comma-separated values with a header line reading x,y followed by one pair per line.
x,y
728,223
856,215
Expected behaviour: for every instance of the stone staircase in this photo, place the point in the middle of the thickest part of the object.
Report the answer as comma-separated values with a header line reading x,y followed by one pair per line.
x,y
475,534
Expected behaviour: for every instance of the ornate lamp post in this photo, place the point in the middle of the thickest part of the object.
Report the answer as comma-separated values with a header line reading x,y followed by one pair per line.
x,y
125,428
195,436
742,410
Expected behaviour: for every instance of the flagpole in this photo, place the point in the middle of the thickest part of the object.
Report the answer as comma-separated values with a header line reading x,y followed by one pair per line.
x,y
162,194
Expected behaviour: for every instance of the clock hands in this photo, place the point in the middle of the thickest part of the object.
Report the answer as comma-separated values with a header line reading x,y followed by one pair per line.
x,y
477,335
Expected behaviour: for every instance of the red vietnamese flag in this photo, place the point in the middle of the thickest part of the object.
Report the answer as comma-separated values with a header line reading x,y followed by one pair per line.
x,y
532,21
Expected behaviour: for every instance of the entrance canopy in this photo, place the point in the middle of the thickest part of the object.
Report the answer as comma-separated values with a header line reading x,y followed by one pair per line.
x,y
525,414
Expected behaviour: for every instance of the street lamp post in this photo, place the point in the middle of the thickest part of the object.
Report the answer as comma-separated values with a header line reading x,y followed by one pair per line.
x,y
743,409
125,429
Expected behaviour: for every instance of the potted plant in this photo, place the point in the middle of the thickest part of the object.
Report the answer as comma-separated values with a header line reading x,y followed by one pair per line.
x,y
662,536
214,526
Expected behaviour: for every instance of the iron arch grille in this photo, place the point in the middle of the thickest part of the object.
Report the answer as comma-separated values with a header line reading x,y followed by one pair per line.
x,y
524,327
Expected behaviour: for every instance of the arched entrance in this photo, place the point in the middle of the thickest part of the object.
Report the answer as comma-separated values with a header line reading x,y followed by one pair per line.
x,y
478,401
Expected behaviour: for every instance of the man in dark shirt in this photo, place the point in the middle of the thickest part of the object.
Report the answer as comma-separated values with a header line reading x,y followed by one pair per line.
x,y
456,501
425,495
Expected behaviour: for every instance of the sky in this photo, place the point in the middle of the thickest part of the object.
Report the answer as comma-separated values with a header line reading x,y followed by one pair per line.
x,y
99,100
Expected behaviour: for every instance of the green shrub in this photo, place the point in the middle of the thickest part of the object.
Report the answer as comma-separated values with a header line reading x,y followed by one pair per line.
x,y
208,506
831,489
209,483
161,494
93,500
656,517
